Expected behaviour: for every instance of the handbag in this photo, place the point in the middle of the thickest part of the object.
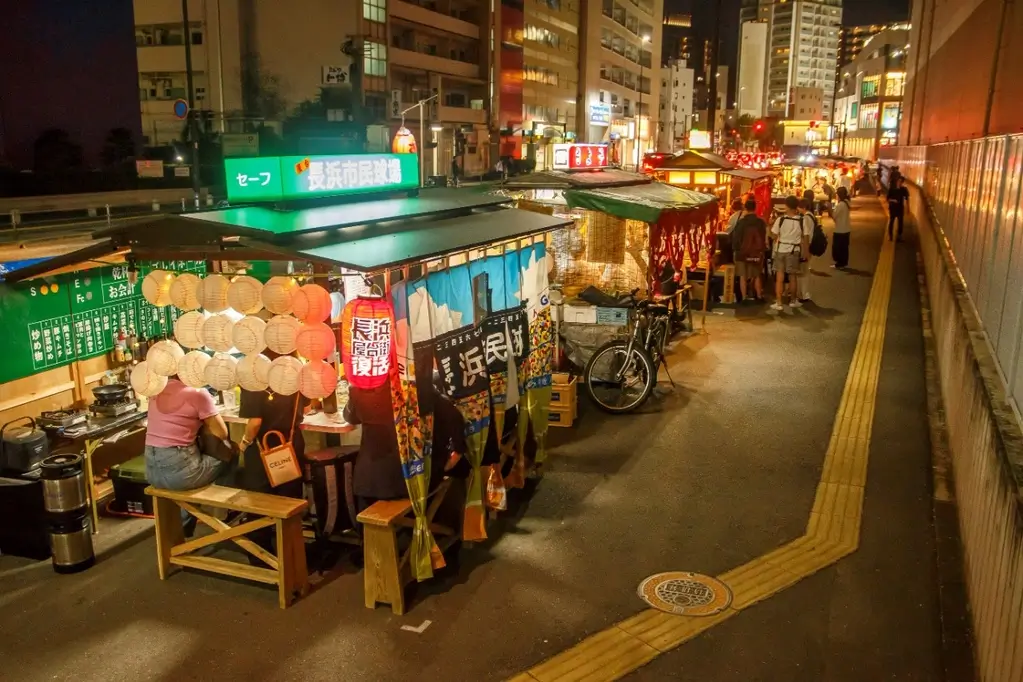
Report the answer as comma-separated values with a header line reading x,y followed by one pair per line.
x,y
280,462
225,450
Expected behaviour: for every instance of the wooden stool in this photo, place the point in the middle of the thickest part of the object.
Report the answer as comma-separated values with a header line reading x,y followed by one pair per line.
x,y
287,569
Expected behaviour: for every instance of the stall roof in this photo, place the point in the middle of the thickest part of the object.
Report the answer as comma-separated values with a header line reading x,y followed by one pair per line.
x,y
694,160
643,202
610,177
748,173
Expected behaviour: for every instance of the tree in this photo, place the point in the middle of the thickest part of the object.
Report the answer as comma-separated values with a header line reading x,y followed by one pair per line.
x,y
332,99
55,154
261,91
118,148
746,124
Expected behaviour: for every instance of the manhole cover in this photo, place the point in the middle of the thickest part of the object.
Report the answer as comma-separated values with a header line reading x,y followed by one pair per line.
x,y
690,594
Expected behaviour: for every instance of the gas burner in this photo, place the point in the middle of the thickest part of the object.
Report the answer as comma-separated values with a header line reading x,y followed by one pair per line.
x,y
61,418
114,408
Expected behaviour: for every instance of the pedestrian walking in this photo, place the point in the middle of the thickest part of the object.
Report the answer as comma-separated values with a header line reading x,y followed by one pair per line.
x,y
734,218
455,170
809,225
843,230
749,239
898,197
790,243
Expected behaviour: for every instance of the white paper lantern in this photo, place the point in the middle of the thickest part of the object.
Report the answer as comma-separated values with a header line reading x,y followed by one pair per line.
x,y
146,382
315,341
317,380
184,291
284,374
311,303
218,333
280,334
277,293
156,287
163,358
188,329
245,295
221,372
192,368
248,335
254,372
337,305
213,293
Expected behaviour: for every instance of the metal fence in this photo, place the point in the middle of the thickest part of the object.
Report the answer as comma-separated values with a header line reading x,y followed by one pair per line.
x,y
974,190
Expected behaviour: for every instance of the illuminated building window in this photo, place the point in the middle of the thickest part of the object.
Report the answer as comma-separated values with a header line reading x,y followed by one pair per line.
x,y
375,10
375,60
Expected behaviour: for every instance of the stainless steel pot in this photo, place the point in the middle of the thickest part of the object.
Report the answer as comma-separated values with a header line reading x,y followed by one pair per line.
x,y
71,544
63,482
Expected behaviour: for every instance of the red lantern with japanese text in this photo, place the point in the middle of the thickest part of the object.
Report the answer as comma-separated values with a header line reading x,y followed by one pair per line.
x,y
367,341
404,142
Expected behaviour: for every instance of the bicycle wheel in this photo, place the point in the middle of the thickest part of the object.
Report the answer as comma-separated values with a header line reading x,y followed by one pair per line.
x,y
616,383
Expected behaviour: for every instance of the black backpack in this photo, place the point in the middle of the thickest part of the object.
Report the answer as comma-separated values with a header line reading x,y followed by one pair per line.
x,y
819,241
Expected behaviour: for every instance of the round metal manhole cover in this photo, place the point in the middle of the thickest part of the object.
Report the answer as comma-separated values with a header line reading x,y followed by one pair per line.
x,y
688,594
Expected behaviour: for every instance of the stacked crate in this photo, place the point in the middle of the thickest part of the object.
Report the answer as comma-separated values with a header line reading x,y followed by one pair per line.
x,y
564,405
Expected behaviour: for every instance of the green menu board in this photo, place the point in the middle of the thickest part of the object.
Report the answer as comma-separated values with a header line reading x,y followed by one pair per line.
x,y
53,321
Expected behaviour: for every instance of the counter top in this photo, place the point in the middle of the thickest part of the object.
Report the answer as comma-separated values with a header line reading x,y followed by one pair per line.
x,y
314,421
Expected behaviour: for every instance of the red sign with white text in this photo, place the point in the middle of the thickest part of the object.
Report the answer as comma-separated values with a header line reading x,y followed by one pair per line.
x,y
580,156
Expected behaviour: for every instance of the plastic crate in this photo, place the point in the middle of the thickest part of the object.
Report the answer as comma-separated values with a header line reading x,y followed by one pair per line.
x,y
130,483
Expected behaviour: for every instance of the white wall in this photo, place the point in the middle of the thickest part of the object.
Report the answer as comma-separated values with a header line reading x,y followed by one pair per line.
x,y
750,84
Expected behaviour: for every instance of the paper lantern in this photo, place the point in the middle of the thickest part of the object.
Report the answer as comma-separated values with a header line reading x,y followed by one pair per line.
x,y
315,341
184,291
248,335
218,333
188,329
192,368
277,293
254,372
146,382
280,334
156,287
311,303
245,295
367,341
284,374
404,142
317,379
213,293
221,372
337,304
163,358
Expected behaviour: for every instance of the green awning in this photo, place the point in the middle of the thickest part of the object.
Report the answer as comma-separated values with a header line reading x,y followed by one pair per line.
x,y
641,202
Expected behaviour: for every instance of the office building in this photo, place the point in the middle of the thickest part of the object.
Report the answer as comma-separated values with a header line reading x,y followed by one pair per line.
x,y
619,82
750,88
676,106
802,44
677,38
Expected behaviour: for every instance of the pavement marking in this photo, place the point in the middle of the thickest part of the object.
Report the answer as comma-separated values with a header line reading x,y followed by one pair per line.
x,y
418,630
832,532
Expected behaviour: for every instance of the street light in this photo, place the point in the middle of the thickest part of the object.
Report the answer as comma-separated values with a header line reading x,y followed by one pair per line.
x,y
639,113
422,133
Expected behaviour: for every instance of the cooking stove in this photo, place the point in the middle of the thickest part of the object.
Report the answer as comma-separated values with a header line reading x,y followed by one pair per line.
x,y
113,409
60,419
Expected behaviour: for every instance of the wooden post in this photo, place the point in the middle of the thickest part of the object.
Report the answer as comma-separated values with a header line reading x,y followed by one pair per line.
x,y
167,518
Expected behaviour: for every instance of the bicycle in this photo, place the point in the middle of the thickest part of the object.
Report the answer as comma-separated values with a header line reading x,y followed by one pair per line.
x,y
621,374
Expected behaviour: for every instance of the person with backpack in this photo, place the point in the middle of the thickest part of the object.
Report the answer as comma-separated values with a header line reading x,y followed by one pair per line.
x,y
898,197
843,230
750,240
818,246
790,243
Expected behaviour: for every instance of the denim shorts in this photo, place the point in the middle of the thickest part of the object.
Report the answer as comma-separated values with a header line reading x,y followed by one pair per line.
x,y
183,467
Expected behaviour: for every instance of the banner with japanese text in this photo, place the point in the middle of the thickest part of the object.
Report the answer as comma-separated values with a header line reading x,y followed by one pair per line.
x,y
534,406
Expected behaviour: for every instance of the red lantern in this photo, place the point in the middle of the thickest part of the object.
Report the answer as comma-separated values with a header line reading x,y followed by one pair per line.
x,y
404,142
367,341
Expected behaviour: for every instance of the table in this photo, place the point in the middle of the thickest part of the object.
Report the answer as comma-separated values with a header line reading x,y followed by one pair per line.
x,y
317,421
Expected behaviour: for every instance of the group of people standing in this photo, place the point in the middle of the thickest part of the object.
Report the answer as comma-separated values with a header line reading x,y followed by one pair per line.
x,y
787,244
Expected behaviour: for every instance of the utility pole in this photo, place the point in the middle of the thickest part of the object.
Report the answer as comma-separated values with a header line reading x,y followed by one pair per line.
x,y
193,129
713,75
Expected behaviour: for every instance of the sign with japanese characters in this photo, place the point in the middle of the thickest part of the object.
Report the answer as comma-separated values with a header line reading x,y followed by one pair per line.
x,y
279,178
580,156
462,361
501,330
600,114
367,341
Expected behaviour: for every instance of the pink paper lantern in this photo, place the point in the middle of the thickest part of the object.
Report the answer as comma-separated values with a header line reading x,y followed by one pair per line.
x,y
311,303
315,341
317,380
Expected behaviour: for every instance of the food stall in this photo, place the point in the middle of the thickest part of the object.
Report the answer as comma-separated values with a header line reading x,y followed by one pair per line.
x,y
335,233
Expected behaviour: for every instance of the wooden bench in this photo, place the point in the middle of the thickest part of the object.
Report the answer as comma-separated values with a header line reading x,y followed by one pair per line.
x,y
286,570
385,572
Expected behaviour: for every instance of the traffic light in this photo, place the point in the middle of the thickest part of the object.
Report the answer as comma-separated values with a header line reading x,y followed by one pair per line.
x,y
813,124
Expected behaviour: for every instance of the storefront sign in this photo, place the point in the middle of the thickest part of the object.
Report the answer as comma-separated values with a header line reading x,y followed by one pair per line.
x,y
699,139
461,359
367,341
600,114
500,329
580,156
276,178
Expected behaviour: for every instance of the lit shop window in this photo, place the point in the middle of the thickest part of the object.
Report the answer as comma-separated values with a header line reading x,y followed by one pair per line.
x,y
868,116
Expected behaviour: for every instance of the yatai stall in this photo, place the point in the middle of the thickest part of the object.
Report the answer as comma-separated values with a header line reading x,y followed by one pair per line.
x,y
344,252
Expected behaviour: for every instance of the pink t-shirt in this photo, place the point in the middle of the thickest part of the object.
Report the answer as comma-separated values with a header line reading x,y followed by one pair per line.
x,y
176,415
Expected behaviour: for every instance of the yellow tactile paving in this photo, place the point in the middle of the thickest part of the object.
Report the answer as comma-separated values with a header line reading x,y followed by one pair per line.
x,y
832,531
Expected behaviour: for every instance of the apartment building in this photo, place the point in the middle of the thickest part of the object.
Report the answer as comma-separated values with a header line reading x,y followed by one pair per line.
x,y
677,38
675,115
802,47
806,104
619,82
751,94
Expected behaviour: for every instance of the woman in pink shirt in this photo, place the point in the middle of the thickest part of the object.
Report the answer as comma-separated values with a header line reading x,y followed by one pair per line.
x,y
173,460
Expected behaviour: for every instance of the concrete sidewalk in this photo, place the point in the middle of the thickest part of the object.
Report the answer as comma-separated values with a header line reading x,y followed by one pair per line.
x,y
710,475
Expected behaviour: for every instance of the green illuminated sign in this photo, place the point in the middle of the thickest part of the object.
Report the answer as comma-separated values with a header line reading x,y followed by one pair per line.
x,y
277,178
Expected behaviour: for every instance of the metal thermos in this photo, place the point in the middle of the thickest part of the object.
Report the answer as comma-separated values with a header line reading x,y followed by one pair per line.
x,y
67,509
63,479
71,544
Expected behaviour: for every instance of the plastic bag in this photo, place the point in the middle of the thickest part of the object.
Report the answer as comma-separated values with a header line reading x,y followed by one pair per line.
x,y
497,493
